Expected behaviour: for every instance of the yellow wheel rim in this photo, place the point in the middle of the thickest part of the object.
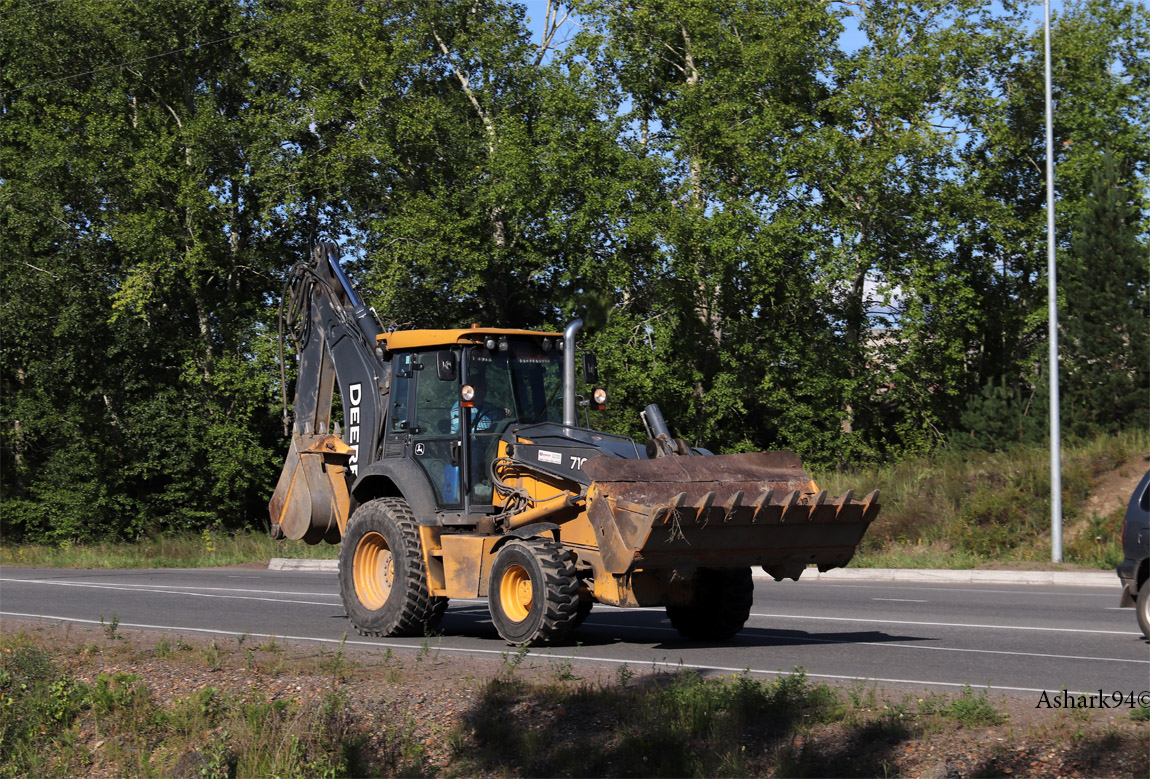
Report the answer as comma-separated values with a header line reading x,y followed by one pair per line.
x,y
374,571
515,593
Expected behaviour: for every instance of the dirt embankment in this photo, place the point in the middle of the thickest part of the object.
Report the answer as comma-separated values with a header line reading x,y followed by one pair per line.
x,y
422,713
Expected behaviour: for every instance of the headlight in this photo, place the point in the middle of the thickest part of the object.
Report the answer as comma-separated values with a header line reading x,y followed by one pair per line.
x,y
467,393
599,398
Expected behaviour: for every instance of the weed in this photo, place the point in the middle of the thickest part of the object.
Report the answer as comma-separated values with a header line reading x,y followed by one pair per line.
x,y
972,710
393,667
337,664
163,648
1093,545
564,670
1141,714
623,674
512,660
110,627
862,697
891,724
115,691
933,703
209,543
457,742
88,649
213,656
38,705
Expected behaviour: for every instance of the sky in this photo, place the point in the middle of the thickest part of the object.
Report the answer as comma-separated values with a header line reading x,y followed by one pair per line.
x,y
851,38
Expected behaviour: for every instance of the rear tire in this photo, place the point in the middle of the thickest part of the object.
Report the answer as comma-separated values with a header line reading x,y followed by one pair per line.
x,y
1142,608
382,578
719,607
533,592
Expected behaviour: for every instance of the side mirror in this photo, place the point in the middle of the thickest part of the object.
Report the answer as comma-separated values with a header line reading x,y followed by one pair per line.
x,y
446,368
590,368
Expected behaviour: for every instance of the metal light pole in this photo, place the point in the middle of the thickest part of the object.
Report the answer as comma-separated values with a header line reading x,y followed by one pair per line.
x,y
1052,303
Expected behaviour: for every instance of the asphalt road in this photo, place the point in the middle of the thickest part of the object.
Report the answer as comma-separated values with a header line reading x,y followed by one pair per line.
x,y
1020,640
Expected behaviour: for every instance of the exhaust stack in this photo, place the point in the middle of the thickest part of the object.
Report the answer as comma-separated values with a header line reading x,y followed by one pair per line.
x,y
570,416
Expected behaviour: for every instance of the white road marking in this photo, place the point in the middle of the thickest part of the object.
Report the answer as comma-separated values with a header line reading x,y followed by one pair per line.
x,y
205,592
884,644
165,590
1023,589
945,624
902,600
550,655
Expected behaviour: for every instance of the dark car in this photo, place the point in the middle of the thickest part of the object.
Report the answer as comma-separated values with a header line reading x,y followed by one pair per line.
x,y
1134,571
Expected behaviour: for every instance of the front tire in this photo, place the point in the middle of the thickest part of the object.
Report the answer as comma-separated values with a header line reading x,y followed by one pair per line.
x,y
533,592
1142,608
720,605
583,612
382,578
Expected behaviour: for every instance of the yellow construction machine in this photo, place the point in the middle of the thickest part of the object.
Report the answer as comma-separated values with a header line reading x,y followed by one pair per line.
x,y
461,470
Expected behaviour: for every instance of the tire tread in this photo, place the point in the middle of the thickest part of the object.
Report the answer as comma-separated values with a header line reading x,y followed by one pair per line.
x,y
560,592
420,611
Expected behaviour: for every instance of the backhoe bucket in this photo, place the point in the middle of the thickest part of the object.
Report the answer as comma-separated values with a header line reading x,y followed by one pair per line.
x,y
725,511
311,500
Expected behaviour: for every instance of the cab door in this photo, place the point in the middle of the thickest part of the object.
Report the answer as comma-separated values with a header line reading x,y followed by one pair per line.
x,y
435,441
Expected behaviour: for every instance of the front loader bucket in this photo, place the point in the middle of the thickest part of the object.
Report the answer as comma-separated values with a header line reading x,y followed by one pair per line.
x,y
725,511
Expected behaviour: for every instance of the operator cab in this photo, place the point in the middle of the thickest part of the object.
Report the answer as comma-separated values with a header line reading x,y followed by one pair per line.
x,y
450,406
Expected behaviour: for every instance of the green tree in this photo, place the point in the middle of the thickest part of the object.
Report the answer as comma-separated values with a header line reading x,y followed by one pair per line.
x,y
728,310
1101,79
1105,320
134,295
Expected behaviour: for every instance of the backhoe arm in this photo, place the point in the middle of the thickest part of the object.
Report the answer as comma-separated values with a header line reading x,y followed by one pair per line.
x,y
334,336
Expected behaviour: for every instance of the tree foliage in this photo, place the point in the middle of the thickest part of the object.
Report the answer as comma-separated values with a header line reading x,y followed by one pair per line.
x,y
816,226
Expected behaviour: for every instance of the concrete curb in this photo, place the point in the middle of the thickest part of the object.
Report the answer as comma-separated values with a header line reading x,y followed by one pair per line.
x,y
945,576
844,575
311,566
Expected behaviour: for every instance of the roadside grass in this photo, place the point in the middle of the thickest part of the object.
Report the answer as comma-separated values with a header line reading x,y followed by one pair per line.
x,y
951,510
54,723
968,509
68,707
203,550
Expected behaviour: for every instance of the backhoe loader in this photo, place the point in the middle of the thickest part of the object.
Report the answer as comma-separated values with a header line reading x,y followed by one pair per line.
x,y
461,470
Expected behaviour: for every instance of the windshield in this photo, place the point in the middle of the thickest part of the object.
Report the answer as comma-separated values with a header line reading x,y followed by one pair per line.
x,y
519,386
524,382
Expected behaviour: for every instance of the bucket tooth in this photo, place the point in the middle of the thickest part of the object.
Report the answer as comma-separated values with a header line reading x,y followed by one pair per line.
x,y
761,502
732,504
844,502
665,511
703,505
820,508
790,503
